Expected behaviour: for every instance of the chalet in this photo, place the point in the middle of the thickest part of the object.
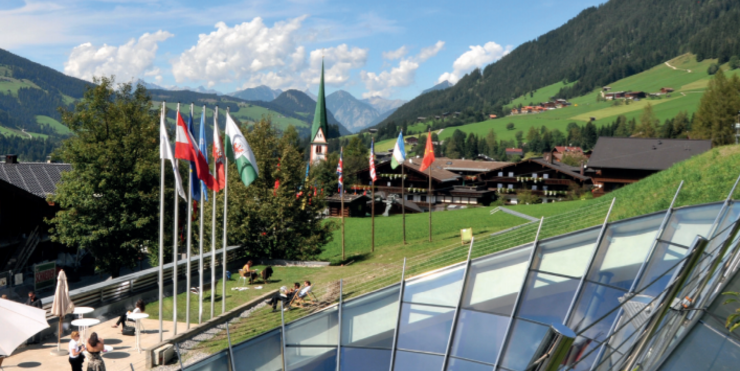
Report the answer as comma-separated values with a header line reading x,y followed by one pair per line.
x,y
468,168
606,88
437,117
635,95
549,105
24,237
666,90
515,111
551,181
613,95
372,131
412,141
354,205
456,113
514,152
448,187
492,116
559,151
620,161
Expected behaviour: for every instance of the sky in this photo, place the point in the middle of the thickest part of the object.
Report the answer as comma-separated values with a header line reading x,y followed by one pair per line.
x,y
382,48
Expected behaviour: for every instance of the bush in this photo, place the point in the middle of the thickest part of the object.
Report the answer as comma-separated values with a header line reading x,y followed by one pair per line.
x,y
734,62
510,126
527,198
713,68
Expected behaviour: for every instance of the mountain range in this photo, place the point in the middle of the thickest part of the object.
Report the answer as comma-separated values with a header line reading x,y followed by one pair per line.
x,y
358,114
441,86
602,44
259,93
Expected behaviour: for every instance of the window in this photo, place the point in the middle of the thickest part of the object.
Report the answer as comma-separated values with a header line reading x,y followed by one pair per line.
x,y
534,187
500,173
500,185
544,188
410,197
423,198
546,176
511,174
511,186
319,148
534,175
389,184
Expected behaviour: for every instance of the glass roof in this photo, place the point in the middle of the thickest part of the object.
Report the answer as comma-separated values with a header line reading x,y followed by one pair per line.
x,y
607,284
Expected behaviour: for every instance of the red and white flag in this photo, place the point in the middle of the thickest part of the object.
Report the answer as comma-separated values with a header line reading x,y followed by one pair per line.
x,y
373,176
185,149
165,152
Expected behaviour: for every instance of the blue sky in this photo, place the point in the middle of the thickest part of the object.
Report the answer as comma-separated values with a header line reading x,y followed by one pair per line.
x,y
393,49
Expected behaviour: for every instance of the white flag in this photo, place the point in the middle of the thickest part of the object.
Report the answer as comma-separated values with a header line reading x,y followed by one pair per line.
x,y
165,153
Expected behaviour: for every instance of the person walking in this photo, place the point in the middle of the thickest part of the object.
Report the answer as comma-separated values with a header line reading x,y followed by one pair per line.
x,y
34,301
76,347
94,347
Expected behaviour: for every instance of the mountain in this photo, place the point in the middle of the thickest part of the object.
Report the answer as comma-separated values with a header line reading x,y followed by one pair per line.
x,y
382,117
260,93
300,103
149,85
441,86
311,95
355,114
199,89
383,105
615,40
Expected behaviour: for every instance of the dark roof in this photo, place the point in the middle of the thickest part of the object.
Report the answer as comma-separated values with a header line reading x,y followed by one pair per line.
x,y
468,165
644,153
438,172
37,178
573,171
348,198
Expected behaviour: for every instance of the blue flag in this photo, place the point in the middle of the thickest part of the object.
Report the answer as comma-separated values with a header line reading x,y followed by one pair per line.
x,y
202,147
194,182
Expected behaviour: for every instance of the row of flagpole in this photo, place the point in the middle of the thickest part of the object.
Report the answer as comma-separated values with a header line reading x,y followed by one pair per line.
x,y
185,149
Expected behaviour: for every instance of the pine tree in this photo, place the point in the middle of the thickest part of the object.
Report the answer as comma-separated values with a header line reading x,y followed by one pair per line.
x,y
718,110
648,127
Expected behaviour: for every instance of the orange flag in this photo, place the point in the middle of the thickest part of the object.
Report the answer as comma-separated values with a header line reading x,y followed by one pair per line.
x,y
428,153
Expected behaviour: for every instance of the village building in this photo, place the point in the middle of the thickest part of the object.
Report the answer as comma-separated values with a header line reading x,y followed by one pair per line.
x,y
559,151
616,162
551,181
514,152
355,205
320,128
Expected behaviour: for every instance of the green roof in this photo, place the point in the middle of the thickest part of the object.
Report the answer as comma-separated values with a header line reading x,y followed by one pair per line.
x,y
319,117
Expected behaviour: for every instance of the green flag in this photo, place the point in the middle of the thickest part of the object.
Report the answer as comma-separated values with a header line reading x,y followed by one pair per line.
x,y
239,151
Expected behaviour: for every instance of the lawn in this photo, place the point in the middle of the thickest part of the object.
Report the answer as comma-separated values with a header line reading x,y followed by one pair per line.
x,y
54,124
9,84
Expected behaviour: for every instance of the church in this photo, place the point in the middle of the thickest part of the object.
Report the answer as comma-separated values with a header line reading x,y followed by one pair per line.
x,y
319,130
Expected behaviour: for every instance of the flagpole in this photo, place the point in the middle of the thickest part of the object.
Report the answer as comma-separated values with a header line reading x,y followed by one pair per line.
x,y
403,201
200,263
189,241
430,200
226,205
161,235
213,227
175,257
341,197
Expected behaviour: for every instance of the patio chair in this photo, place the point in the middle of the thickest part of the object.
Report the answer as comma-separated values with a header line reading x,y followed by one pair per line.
x,y
304,300
242,276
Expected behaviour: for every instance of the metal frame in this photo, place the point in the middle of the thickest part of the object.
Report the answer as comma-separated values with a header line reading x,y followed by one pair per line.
x,y
398,318
518,297
581,284
456,315
339,329
282,335
231,351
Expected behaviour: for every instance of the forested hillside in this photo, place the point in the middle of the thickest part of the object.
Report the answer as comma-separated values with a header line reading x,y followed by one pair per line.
x,y
602,44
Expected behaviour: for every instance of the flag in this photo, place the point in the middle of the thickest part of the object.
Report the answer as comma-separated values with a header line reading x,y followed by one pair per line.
x,y
195,188
277,181
428,154
373,176
339,172
202,147
165,153
218,154
185,149
399,152
239,151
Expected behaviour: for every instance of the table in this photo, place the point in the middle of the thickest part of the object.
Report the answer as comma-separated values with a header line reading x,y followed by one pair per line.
x,y
81,311
138,317
83,324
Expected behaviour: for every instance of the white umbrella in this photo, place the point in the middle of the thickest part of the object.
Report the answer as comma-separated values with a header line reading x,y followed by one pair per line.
x,y
61,306
19,322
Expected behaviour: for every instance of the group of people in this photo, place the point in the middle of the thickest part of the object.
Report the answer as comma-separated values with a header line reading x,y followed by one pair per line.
x,y
94,346
286,296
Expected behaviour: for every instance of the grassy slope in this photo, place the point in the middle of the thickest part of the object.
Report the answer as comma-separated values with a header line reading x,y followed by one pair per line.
x,y
56,125
689,88
244,114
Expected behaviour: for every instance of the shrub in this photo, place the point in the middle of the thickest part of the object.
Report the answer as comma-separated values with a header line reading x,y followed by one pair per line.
x,y
713,68
527,198
510,126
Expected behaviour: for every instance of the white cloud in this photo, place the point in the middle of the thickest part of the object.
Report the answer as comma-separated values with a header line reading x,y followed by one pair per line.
x,y
384,83
478,56
128,61
396,54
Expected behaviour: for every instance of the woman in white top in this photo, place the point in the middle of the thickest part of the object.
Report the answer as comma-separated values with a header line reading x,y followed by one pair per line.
x,y
140,306
76,347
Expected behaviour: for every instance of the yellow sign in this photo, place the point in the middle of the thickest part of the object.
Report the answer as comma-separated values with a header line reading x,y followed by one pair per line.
x,y
466,235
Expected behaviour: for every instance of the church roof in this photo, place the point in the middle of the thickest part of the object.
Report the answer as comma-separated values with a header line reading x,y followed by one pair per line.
x,y
319,117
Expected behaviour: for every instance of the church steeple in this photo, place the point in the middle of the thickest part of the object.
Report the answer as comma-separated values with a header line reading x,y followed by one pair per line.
x,y
319,117
320,128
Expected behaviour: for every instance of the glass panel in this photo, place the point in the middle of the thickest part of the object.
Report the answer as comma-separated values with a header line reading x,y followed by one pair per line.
x,y
218,362
523,343
718,310
442,288
610,360
704,350
408,361
369,321
566,255
358,359
494,283
318,329
462,365
425,328
546,297
260,354
623,250
578,357
685,224
664,259
471,328
311,358
595,302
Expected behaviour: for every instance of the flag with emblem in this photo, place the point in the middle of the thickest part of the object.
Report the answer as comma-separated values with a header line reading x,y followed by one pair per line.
x,y
239,151
339,172
373,175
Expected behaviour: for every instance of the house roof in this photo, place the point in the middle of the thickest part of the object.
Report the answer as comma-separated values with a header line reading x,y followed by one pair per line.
x,y
438,172
644,153
517,150
468,165
573,171
37,178
563,149
348,198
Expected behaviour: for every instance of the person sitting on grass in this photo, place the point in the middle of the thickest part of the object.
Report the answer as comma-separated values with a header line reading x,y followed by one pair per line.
x,y
284,295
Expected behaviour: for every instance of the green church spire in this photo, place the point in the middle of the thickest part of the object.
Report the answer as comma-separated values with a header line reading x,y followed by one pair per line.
x,y
319,117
